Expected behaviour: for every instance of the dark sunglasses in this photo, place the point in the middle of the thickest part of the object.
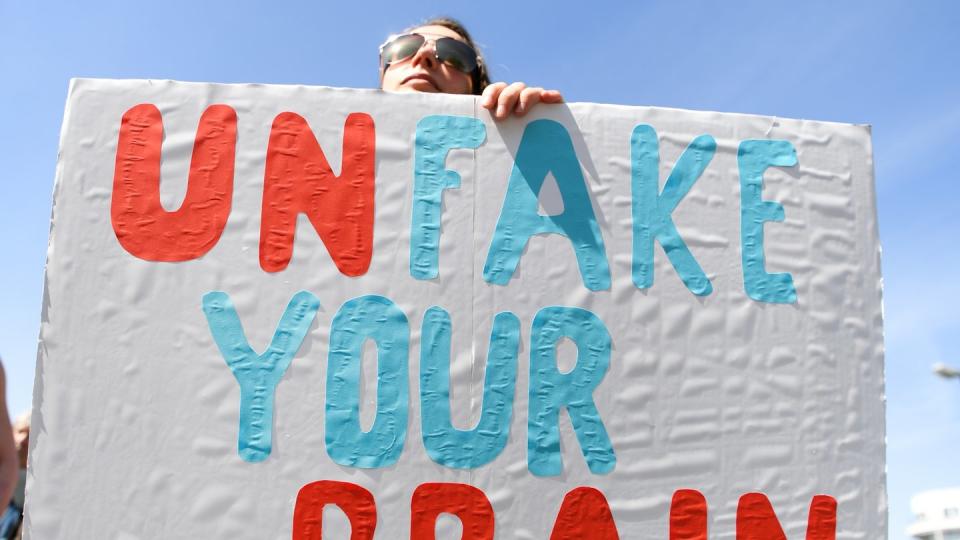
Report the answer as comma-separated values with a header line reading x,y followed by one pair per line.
x,y
452,52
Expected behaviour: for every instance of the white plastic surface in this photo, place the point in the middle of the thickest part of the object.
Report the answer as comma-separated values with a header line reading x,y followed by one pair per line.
x,y
136,412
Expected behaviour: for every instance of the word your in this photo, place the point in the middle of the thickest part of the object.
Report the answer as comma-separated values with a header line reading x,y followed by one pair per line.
x,y
298,179
379,319
584,514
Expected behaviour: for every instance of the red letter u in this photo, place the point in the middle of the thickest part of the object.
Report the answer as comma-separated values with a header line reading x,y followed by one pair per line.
x,y
142,226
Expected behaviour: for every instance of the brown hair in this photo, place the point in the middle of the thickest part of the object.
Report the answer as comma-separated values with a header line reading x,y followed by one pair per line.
x,y
481,78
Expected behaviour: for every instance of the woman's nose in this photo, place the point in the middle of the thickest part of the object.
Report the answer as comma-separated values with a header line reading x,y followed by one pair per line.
x,y
426,55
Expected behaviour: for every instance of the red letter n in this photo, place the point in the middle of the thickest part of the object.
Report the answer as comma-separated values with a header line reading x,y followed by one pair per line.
x,y
756,519
584,515
298,180
141,224
356,502
466,502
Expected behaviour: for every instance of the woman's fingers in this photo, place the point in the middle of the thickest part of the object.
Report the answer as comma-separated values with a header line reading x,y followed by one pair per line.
x,y
504,99
508,99
551,96
528,98
491,93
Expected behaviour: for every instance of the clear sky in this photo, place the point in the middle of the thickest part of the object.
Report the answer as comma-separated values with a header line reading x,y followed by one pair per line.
x,y
895,65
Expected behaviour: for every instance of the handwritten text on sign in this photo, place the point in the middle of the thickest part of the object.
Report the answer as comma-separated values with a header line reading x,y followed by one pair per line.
x,y
299,180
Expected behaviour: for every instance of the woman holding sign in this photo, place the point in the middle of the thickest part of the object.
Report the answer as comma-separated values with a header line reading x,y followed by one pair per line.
x,y
440,56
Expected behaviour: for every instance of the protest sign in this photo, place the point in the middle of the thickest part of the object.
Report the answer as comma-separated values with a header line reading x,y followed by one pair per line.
x,y
272,311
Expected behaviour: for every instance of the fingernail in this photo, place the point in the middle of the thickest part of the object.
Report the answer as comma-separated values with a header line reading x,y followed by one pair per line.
x,y
501,110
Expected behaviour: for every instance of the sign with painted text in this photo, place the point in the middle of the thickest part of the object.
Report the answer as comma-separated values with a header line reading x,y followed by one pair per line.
x,y
300,312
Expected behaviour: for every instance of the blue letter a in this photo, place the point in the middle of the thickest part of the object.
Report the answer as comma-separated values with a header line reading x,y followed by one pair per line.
x,y
544,148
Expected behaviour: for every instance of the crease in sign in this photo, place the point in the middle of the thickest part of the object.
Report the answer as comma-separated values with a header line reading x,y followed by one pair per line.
x,y
436,136
446,445
258,375
546,147
474,241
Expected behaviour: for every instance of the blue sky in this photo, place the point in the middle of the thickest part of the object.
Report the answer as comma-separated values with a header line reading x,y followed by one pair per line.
x,y
895,65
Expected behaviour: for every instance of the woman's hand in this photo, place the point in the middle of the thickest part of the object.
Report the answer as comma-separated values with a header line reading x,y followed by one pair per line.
x,y
505,99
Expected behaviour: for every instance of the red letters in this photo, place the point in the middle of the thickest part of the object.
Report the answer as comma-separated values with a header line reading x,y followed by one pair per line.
x,y
356,502
299,179
756,519
466,502
688,515
584,515
141,224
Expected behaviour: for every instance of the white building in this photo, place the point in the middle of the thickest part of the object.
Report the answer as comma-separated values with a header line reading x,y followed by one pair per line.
x,y
937,515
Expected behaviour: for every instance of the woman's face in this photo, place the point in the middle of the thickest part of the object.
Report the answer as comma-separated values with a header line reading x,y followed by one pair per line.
x,y
422,72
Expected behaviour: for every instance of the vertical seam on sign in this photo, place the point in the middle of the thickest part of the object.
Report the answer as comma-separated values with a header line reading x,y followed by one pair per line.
x,y
473,281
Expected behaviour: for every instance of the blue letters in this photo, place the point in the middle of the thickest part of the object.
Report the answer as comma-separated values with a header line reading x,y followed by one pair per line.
x,y
754,157
379,319
546,147
550,390
445,444
258,375
436,136
651,211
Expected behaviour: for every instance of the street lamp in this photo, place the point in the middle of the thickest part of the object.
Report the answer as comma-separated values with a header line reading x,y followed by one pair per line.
x,y
946,371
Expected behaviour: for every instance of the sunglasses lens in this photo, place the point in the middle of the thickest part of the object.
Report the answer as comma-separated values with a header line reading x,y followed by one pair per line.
x,y
401,48
457,54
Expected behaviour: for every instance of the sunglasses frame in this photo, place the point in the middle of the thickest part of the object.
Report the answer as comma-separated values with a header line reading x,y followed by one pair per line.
x,y
477,59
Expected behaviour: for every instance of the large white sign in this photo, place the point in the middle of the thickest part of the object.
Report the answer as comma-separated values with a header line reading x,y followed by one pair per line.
x,y
286,311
